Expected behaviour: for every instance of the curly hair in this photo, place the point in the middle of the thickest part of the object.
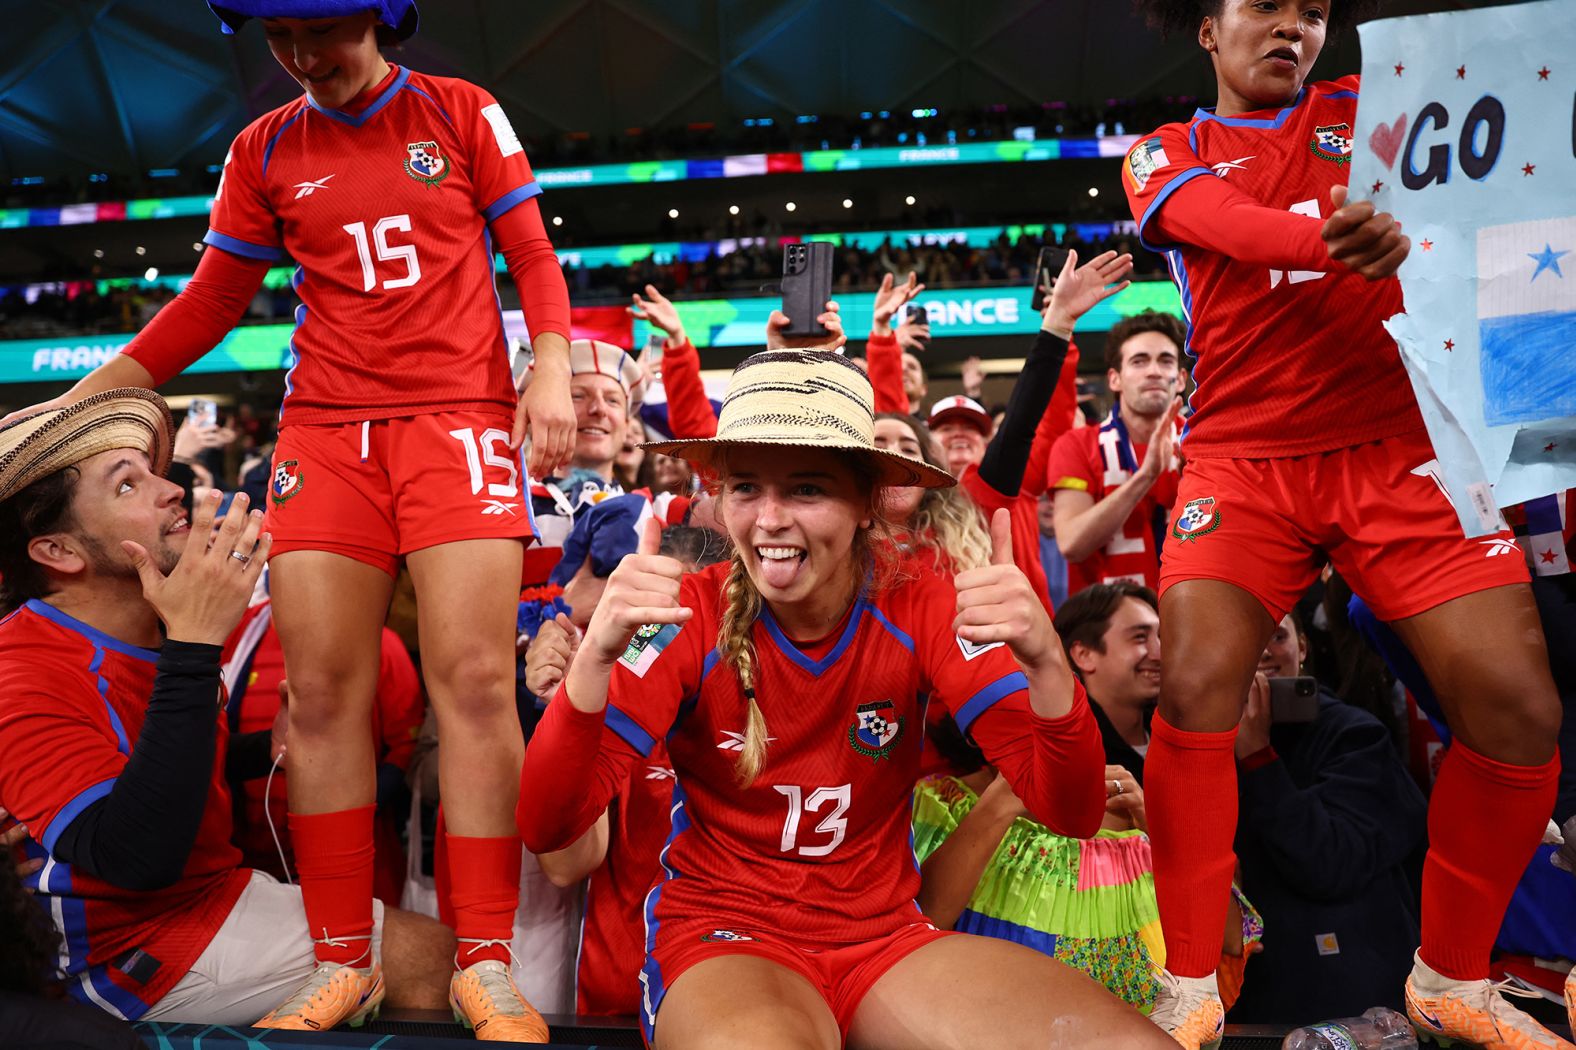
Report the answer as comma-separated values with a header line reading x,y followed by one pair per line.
x,y
1183,16
31,942
1137,324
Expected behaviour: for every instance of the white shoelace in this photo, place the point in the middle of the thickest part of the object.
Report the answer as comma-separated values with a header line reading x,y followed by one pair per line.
x,y
1177,999
319,977
493,976
1505,1013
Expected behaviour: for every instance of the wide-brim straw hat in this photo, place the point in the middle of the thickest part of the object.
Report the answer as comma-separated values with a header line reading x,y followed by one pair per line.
x,y
44,443
802,399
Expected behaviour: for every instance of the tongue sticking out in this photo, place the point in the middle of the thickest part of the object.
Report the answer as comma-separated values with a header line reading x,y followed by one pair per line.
x,y
780,573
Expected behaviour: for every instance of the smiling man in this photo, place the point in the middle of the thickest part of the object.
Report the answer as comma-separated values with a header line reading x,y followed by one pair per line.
x,y
1112,635
111,723
605,384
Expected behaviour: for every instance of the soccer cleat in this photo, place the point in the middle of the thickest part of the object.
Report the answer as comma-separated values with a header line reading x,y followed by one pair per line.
x,y
1189,1010
1476,1014
332,995
486,1000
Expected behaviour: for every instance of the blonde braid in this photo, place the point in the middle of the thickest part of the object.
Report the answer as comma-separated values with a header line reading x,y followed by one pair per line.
x,y
742,607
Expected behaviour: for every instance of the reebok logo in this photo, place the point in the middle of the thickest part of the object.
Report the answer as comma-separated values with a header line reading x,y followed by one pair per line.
x,y
306,189
1227,166
1498,547
492,506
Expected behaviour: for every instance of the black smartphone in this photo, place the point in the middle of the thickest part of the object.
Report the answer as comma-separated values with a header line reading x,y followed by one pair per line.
x,y
1046,269
807,285
917,314
1294,699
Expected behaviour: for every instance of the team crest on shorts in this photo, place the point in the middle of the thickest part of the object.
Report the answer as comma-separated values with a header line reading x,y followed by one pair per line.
x,y
1198,517
876,730
726,936
287,480
1333,142
424,163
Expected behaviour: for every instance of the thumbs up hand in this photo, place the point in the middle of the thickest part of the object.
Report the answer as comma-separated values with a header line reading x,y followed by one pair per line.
x,y
997,603
644,589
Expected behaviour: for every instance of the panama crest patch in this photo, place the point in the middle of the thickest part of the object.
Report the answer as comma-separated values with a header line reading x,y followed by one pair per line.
x,y
876,730
424,163
1332,142
1197,518
287,482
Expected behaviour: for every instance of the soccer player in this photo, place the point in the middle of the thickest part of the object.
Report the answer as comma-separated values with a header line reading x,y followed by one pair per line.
x,y
1114,484
398,440
789,687
1306,445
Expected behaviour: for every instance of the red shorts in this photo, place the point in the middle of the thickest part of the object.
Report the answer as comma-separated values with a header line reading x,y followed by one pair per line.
x,y
1374,511
376,491
842,974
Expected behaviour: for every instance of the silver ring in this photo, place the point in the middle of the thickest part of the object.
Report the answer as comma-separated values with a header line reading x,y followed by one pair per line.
x,y
242,558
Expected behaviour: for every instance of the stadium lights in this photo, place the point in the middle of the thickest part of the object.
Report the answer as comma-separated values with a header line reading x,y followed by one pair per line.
x,y
790,206
1094,191
733,209
196,246
151,274
98,253
141,250
558,220
909,199
847,203
673,213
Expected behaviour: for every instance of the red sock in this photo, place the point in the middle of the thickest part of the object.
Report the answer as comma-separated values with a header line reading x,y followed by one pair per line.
x,y
1484,824
484,887
334,862
1190,791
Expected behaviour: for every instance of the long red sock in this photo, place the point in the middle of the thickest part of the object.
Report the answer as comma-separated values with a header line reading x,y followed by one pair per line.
x,y
334,861
484,888
1484,824
1190,791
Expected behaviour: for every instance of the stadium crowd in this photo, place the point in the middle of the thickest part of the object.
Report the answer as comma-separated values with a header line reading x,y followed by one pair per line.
x,y
779,723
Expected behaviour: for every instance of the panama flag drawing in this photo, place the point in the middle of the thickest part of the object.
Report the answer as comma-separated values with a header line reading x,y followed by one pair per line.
x,y
1526,307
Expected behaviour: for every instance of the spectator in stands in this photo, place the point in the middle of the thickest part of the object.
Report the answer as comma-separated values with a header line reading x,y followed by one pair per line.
x,y
962,427
1112,635
109,669
631,457
1010,473
1051,559
1114,484
605,385
1329,844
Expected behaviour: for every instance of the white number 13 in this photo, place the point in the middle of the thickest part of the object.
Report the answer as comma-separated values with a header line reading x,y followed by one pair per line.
x,y
386,252
834,823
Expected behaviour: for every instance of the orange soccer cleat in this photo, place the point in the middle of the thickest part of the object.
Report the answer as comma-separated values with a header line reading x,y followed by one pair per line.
x,y
1473,1014
485,999
333,995
1189,1010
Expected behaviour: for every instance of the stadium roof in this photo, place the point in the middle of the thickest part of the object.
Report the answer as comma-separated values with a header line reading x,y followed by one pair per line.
x,y
130,86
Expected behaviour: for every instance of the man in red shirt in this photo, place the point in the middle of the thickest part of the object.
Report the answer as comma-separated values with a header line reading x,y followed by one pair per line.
x,y
1114,483
111,723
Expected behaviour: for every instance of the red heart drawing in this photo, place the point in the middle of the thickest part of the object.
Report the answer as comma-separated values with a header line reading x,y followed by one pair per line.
x,y
1386,141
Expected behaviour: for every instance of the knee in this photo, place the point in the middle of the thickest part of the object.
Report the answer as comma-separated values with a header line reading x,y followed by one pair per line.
x,y
474,691
1200,696
328,700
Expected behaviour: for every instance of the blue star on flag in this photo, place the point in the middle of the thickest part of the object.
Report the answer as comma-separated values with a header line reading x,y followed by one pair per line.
x,y
1547,259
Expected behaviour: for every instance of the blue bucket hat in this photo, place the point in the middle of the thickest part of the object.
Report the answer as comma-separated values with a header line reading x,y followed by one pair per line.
x,y
398,15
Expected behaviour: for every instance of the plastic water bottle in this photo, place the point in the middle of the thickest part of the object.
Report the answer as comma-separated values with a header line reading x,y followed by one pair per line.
x,y
1377,1029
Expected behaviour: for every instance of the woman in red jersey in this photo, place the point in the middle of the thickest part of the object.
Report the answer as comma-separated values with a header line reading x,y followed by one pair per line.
x,y
789,687
1305,445
398,439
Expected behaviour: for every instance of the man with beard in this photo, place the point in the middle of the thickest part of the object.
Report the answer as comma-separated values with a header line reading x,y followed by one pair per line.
x,y
1114,483
111,721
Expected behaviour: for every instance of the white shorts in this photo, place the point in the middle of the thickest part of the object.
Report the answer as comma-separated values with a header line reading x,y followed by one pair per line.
x,y
258,957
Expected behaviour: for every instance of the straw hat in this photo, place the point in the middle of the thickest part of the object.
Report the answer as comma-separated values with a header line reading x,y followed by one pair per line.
x,y
39,445
802,399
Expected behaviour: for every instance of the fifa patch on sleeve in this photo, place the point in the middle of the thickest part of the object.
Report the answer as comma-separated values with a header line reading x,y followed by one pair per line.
x,y
1146,158
973,649
503,131
647,645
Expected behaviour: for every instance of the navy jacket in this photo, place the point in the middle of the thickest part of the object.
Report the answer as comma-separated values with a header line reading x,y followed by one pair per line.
x,y
1329,837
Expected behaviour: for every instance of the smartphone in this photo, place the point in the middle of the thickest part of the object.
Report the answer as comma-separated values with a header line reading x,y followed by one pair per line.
x,y
1046,269
204,414
653,352
807,285
917,314
1294,699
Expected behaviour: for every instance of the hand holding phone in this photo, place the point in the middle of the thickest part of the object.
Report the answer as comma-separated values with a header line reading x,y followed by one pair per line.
x,y
1046,267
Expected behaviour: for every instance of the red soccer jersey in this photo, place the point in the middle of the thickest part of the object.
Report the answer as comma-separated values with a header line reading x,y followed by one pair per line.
x,y
814,848
1090,459
1287,361
385,212
613,936
72,701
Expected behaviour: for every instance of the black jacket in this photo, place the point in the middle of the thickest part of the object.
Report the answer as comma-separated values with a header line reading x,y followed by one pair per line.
x,y
1329,836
